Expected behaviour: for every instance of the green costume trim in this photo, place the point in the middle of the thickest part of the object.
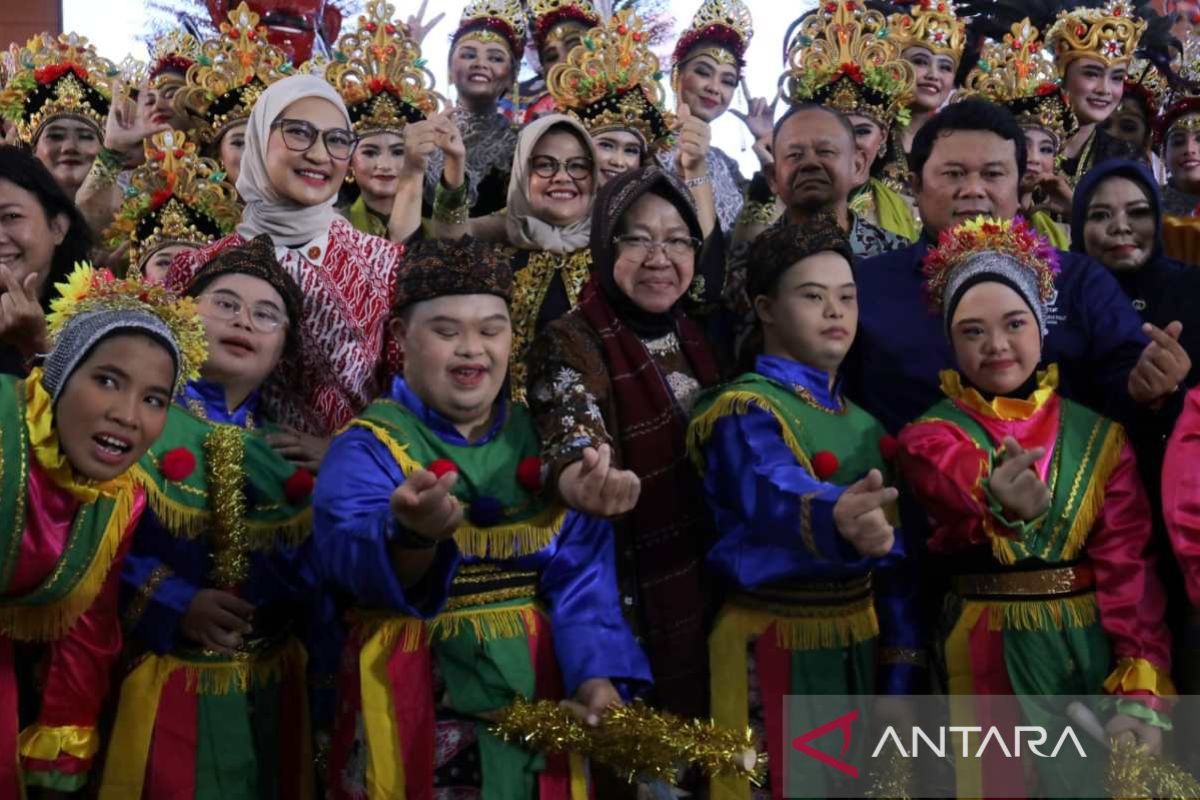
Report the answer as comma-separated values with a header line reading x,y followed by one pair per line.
x,y
366,220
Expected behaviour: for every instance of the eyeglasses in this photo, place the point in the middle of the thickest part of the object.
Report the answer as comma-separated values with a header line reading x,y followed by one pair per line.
x,y
228,307
642,247
548,167
299,135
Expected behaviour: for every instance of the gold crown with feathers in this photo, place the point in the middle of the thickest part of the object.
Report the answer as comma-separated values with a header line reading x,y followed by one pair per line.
x,y
1109,33
56,76
932,24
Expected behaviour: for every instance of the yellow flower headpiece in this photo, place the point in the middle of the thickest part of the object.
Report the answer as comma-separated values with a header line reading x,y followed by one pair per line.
x,y
380,74
1110,34
612,80
230,73
933,24
175,197
1017,73
844,59
88,289
56,77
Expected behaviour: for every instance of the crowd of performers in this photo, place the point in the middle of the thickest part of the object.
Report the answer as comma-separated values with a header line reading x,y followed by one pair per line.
x,y
337,416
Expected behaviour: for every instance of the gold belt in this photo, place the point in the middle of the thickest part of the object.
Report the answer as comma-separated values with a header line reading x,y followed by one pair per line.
x,y
808,600
484,584
1026,583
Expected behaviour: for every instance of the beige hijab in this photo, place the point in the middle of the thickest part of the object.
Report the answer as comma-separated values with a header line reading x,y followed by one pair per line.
x,y
524,229
267,211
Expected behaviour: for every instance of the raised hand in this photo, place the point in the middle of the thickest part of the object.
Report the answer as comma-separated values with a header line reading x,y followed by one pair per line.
x,y
420,140
423,504
449,140
1162,366
22,320
418,29
302,449
695,138
860,518
217,620
127,125
592,485
1016,485
760,119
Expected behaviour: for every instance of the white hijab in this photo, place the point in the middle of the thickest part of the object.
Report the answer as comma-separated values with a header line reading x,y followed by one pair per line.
x,y
267,211
526,231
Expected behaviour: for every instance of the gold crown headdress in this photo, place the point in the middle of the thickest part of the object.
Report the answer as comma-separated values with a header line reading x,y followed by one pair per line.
x,y
1017,73
380,74
613,80
88,290
552,19
1182,109
230,73
843,58
1145,80
932,24
501,21
172,54
724,24
56,76
1110,34
175,197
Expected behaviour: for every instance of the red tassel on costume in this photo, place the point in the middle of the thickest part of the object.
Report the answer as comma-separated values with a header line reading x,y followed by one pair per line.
x,y
824,464
442,466
177,464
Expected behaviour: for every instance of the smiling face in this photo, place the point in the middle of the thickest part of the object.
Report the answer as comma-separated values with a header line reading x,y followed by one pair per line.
x,y
707,86
1040,151
871,139
67,147
566,37
650,277
560,199
1129,123
968,173
935,77
1182,154
480,70
156,101
1119,229
27,237
812,315
240,352
311,177
456,352
376,168
816,162
230,149
114,405
619,151
1094,89
995,338
157,264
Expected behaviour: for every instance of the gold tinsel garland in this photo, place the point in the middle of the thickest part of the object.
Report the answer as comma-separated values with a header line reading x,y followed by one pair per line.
x,y
635,740
1132,772
224,453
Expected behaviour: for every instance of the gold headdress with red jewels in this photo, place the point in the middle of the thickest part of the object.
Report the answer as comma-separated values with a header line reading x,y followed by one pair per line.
x,y
175,197
932,24
1017,73
501,21
380,74
725,26
555,19
88,290
1110,34
842,58
1182,109
172,55
56,76
230,73
612,80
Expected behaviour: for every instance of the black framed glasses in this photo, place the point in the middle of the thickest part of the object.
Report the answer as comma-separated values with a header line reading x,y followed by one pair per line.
x,y
548,167
227,306
675,248
299,135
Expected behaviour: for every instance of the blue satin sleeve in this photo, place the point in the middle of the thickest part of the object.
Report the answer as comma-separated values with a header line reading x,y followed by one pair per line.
x,y
154,597
353,527
579,584
757,491
902,653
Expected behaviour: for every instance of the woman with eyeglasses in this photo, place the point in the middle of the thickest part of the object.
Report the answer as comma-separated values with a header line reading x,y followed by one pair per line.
x,y
298,148
611,384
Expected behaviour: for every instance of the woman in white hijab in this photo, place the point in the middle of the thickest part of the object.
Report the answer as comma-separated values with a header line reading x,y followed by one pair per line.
x,y
298,149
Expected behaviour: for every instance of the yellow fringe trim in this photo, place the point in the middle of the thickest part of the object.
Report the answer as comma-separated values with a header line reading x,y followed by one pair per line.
x,y
700,429
1134,675
190,522
1057,613
813,629
45,743
486,623
1093,499
52,621
501,541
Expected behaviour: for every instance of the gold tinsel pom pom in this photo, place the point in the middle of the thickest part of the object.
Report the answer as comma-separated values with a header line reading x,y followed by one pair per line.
x,y
635,740
1132,772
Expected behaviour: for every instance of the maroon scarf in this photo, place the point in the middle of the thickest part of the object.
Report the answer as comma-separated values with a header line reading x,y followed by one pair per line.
x,y
669,528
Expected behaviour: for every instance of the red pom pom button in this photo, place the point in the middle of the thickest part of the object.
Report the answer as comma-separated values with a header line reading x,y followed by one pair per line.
x,y
888,446
177,464
824,464
299,486
529,473
442,466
